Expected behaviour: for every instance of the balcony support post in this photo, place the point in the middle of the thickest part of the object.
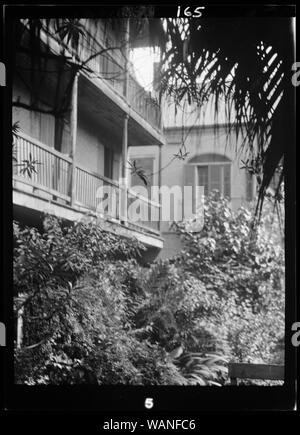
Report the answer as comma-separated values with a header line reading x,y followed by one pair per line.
x,y
73,125
124,184
159,185
124,170
127,54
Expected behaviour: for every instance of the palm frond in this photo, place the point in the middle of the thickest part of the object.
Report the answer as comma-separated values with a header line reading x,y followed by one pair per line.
x,y
242,64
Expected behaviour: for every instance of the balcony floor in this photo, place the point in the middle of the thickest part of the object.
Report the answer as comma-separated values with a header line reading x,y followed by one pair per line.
x,y
30,207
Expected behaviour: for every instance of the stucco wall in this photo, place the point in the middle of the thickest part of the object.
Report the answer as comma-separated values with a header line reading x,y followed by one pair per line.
x,y
198,141
90,147
201,141
37,125
89,150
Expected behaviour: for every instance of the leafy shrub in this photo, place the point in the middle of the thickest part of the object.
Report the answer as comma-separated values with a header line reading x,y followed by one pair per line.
x,y
92,314
170,314
240,265
76,288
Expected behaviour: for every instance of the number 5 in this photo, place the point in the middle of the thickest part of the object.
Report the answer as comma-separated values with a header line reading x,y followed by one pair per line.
x,y
149,403
197,11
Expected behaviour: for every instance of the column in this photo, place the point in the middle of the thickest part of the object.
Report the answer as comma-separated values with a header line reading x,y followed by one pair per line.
x,y
73,125
159,184
123,201
124,169
127,53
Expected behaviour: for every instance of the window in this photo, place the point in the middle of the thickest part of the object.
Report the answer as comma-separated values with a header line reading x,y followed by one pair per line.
x,y
213,172
215,176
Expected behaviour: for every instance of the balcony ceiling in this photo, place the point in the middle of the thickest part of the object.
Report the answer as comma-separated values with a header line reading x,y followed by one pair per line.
x,y
108,115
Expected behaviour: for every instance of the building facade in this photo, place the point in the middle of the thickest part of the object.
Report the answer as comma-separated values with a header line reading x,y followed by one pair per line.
x,y
85,147
110,123
198,152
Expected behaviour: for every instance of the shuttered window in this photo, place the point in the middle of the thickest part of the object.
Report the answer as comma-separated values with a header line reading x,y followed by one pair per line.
x,y
215,177
203,178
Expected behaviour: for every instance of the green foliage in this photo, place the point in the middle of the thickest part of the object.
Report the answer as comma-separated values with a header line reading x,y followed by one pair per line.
x,y
203,370
76,288
226,63
240,264
170,314
92,314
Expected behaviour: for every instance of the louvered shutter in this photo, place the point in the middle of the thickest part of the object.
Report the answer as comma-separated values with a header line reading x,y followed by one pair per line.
x,y
215,178
203,178
189,197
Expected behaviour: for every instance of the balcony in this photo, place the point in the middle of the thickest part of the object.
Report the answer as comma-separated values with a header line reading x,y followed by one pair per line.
x,y
108,67
52,182
104,70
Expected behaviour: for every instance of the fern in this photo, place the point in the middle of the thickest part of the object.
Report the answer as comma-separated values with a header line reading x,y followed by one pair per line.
x,y
209,369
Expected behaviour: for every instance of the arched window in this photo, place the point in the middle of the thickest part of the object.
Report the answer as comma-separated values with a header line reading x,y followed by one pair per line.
x,y
213,171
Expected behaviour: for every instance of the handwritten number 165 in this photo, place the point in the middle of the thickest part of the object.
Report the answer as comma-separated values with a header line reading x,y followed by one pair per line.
x,y
196,13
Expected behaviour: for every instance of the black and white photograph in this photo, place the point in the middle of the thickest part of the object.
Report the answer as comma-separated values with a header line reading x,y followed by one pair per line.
x,y
152,179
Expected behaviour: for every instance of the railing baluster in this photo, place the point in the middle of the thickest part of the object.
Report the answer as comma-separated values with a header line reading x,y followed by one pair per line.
x,y
84,189
80,183
81,186
61,176
31,154
90,190
53,177
49,165
40,168
66,177
47,169
87,189
81,180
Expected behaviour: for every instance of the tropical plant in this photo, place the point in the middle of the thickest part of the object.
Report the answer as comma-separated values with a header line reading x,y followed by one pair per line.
x,y
171,314
244,66
203,370
240,269
92,314
77,295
